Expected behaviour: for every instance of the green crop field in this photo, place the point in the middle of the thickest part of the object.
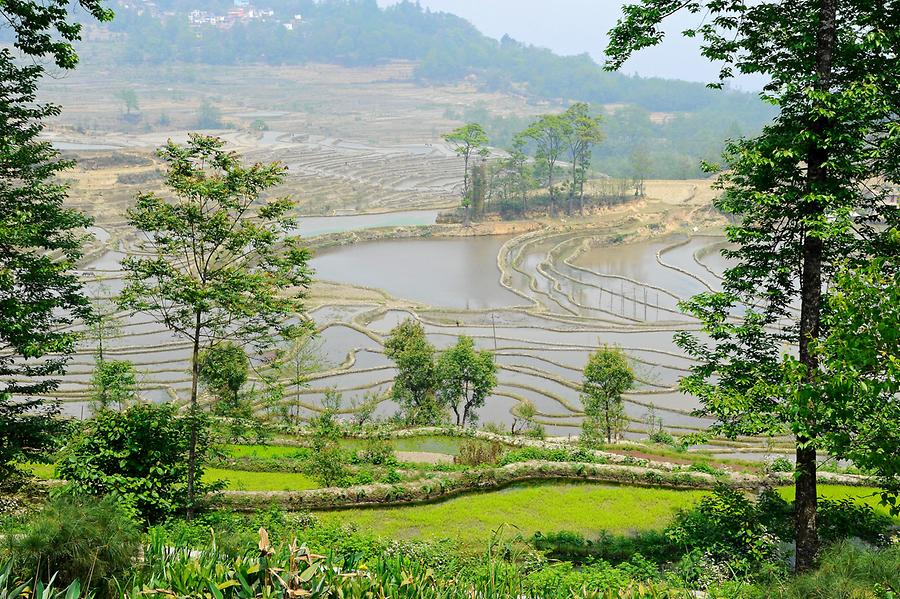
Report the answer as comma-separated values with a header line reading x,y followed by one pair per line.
x,y
867,495
584,508
264,451
240,480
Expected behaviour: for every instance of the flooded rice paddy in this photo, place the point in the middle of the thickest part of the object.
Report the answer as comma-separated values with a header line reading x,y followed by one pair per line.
x,y
541,301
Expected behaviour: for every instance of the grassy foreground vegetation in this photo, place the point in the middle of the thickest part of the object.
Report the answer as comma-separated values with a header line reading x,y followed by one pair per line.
x,y
587,509
869,496
237,480
720,542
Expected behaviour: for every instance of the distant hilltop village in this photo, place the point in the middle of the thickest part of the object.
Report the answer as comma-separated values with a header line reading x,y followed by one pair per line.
x,y
242,12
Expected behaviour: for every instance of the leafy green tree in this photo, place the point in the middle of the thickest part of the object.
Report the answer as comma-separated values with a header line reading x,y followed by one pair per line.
x,y
40,241
607,375
304,358
414,384
224,370
805,194
468,141
583,133
140,454
363,408
114,383
128,97
860,357
219,261
103,324
639,166
516,174
328,463
523,417
465,378
479,188
549,134
208,115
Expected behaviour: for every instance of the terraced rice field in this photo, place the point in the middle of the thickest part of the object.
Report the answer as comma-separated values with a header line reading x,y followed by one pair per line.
x,y
542,301
364,151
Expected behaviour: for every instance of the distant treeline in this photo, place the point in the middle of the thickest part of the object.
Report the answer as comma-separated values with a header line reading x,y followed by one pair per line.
x,y
448,48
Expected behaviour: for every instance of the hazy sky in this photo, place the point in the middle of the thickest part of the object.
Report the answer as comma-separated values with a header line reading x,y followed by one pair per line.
x,y
577,26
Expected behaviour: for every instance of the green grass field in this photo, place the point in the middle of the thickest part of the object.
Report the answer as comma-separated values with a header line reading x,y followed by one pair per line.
x,y
45,471
430,444
584,508
867,495
263,451
238,480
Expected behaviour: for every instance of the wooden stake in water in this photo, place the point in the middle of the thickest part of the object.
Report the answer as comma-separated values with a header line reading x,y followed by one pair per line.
x,y
494,326
645,304
633,302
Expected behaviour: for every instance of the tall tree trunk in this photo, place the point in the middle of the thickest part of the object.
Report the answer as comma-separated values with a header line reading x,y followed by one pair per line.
x,y
467,219
465,415
524,193
807,541
550,189
609,416
571,206
192,450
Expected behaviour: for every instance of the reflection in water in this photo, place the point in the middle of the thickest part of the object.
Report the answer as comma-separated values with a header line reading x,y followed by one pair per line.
x,y
456,273
618,295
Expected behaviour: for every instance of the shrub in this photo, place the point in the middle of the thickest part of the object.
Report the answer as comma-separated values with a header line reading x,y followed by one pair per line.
x,y
328,458
563,545
140,454
705,468
843,519
847,570
527,454
76,539
663,438
476,453
535,431
363,477
391,477
493,427
780,465
724,526
838,519
378,452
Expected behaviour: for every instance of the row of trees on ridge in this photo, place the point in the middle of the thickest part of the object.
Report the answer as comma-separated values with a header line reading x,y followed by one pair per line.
x,y
553,153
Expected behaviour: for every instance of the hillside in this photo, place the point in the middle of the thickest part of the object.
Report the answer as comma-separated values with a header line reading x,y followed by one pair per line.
x,y
674,124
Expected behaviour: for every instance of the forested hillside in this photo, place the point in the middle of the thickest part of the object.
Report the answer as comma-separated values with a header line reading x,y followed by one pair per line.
x,y
672,125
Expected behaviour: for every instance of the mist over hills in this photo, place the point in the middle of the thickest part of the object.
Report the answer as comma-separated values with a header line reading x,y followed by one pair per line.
x,y
678,123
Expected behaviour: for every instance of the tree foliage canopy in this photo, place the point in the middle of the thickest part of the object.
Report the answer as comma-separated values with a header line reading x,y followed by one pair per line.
x,y
465,378
607,375
218,250
414,383
139,454
40,239
812,194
